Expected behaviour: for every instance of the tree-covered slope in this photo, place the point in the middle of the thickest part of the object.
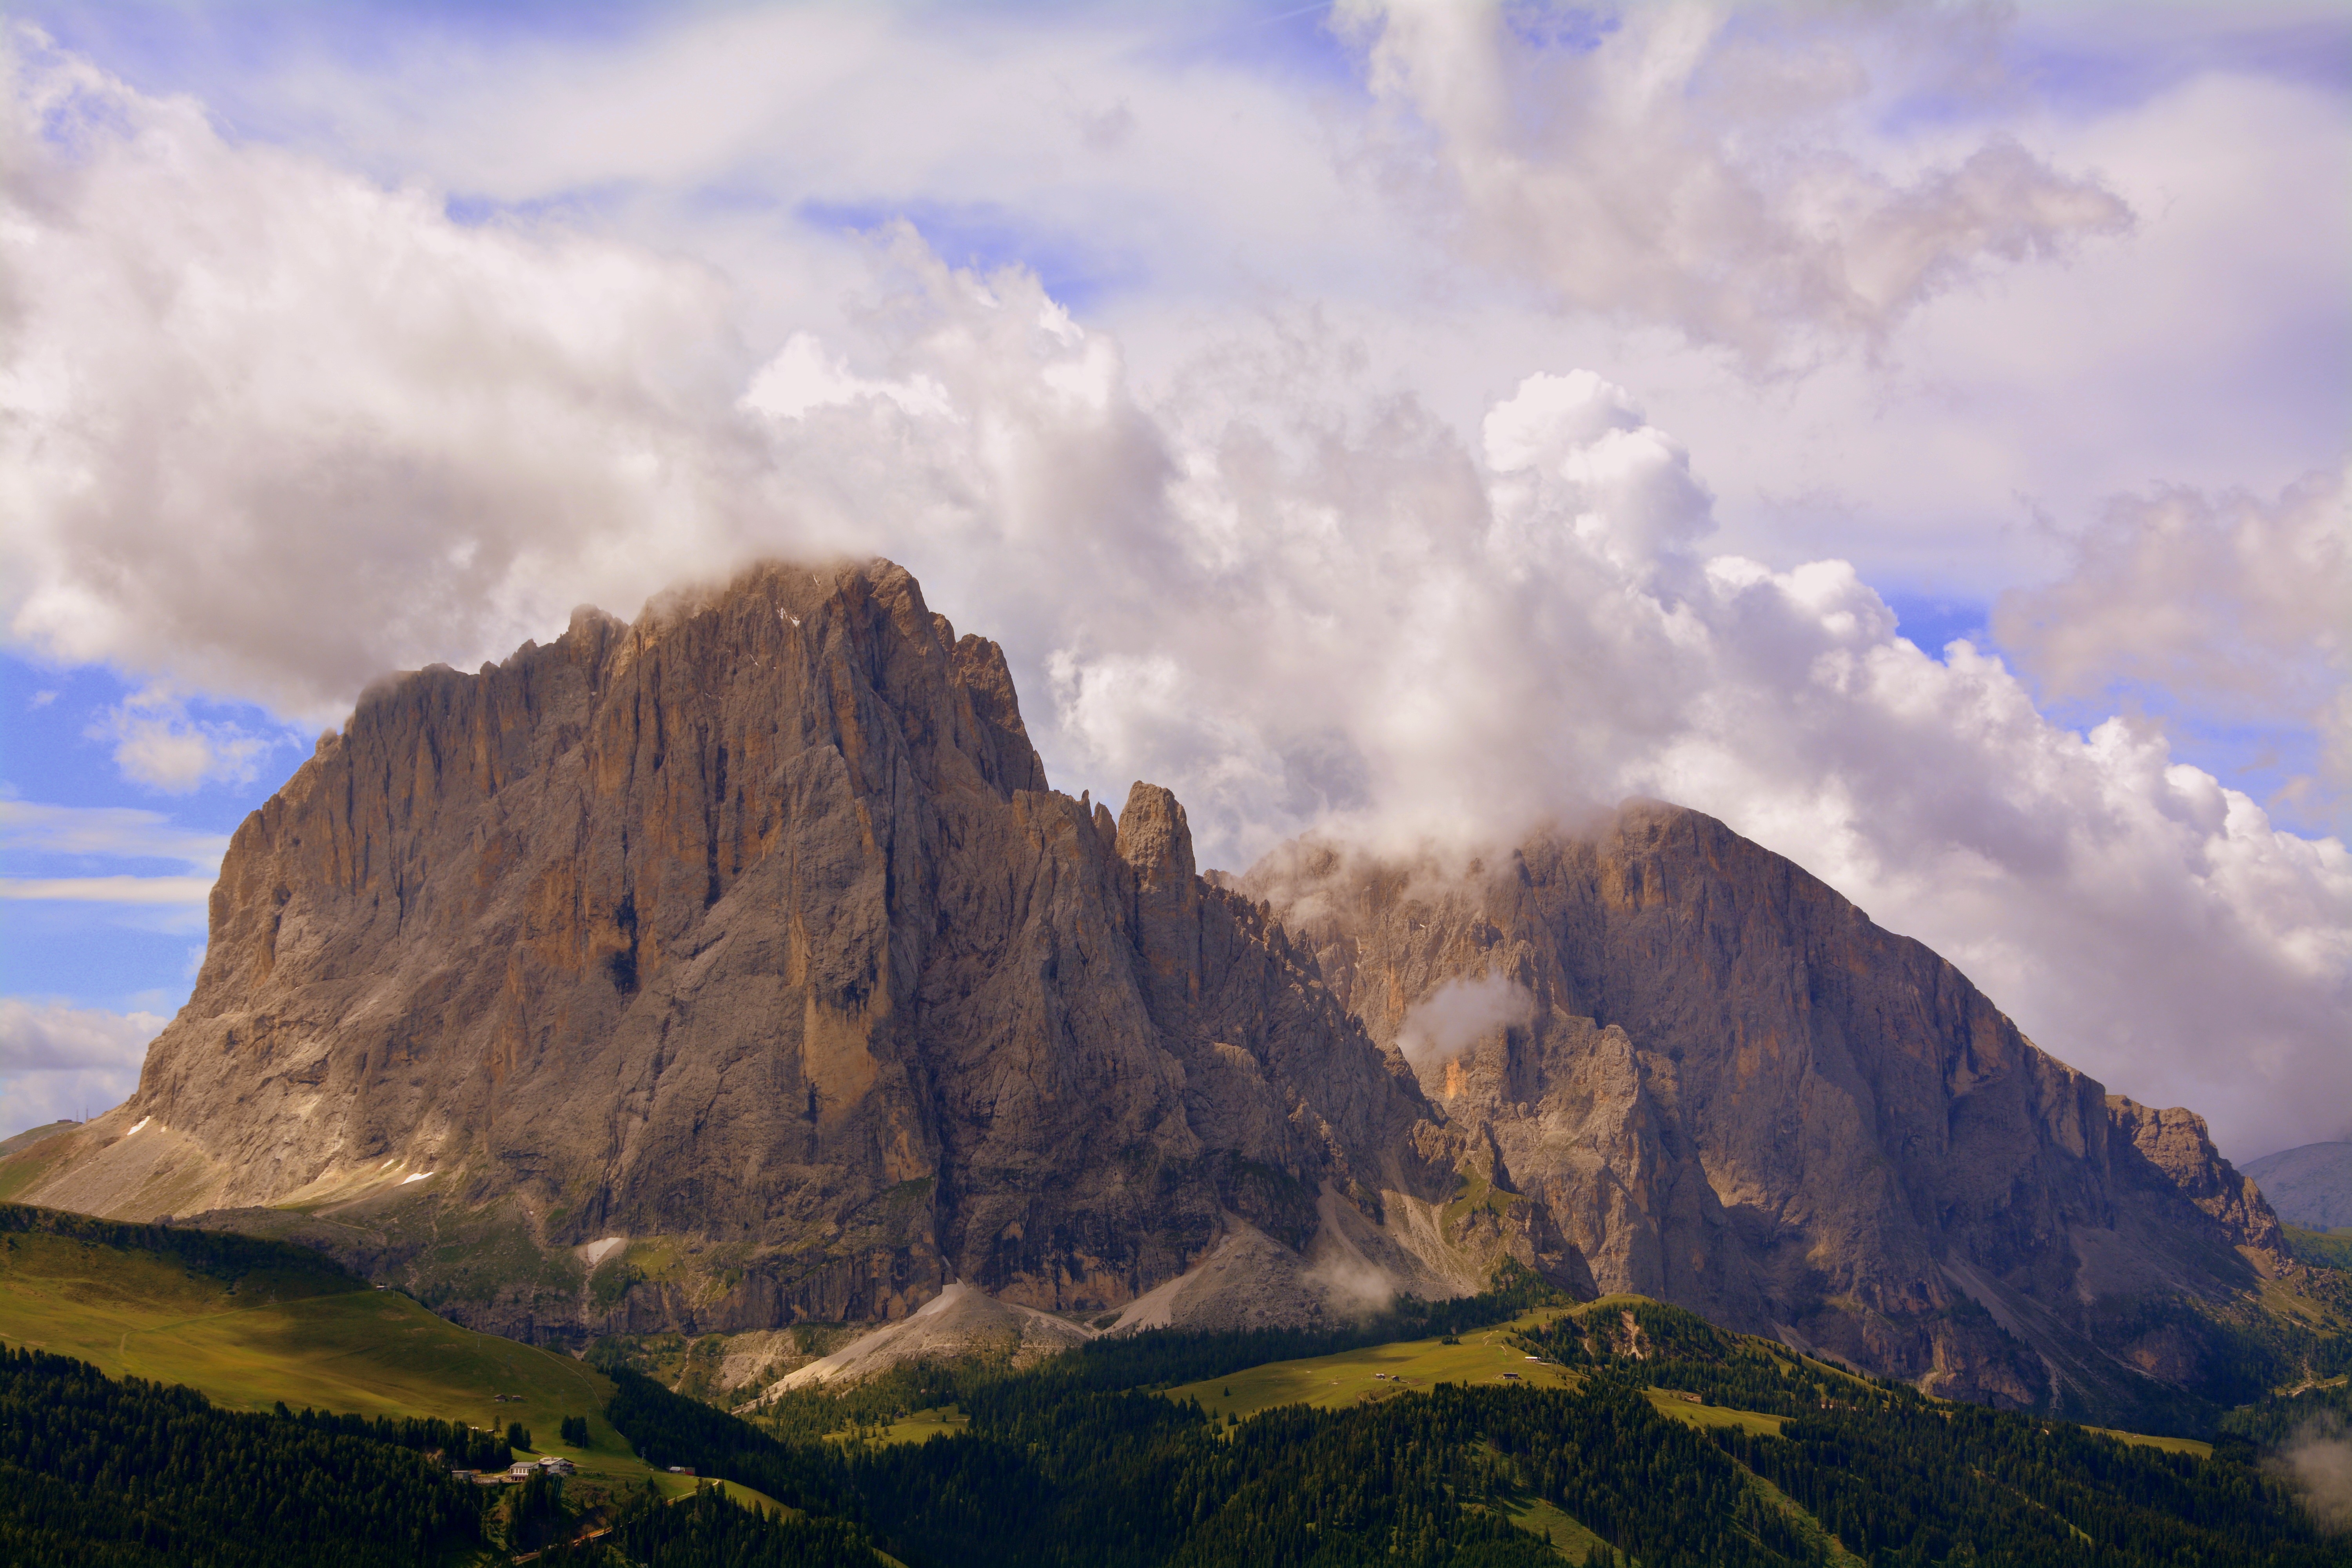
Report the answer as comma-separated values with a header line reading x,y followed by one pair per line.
x,y
127,1474
1082,1461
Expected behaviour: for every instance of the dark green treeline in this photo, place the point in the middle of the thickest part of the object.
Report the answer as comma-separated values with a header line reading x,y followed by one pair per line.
x,y
100,1474
1059,1468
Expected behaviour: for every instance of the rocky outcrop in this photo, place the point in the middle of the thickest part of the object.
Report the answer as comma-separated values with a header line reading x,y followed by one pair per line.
x,y
1733,1092
750,934
958,1322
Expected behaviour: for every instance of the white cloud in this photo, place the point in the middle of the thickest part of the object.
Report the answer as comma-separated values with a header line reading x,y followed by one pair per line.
x,y
59,1062
2231,606
275,429
804,376
1292,621
2316,1462
1461,1013
113,832
1689,164
172,890
157,743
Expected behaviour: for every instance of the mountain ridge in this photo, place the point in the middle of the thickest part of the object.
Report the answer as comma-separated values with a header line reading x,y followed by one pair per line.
x,y
749,923
736,967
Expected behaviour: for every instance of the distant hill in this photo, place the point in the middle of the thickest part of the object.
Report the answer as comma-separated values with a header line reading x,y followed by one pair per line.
x,y
32,1135
2310,1186
131,1474
170,1355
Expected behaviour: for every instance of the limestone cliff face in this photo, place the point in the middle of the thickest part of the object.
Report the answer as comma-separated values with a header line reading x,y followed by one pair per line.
x,y
1734,1091
755,926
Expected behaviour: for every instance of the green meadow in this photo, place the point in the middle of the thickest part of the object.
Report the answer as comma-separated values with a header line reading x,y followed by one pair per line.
x,y
306,1337
1380,1372
2165,1444
919,1426
1383,1372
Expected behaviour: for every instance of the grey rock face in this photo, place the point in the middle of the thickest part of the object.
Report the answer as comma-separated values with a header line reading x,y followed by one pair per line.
x,y
1732,1090
753,924
2310,1186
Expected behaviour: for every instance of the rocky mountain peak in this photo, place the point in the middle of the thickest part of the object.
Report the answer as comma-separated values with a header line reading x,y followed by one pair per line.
x,y
751,930
1155,841
737,965
1735,1091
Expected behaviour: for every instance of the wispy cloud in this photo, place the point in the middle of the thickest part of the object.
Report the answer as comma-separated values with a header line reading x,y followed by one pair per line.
x,y
109,890
89,833
122,833
2232,605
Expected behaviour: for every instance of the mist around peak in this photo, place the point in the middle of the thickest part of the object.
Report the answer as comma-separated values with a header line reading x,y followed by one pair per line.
x,y
1459,1014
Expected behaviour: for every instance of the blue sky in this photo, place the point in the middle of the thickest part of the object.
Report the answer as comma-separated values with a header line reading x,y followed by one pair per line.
x,y
1649,372
60,752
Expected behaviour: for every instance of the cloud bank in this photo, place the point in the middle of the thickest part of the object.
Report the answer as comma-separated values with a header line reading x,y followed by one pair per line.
x,y
1679,162
271,428
2235,605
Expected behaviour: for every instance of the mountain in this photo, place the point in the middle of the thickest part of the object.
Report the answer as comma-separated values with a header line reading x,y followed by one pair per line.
x,y
1734,1091
737,967
2310,1186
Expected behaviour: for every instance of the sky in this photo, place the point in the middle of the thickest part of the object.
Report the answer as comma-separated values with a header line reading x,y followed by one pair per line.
x,y
1915,435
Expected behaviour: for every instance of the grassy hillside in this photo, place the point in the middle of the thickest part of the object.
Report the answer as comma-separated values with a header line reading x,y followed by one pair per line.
x,y
1379,1372
1489,1357
2328,1248
1606,1458
254,1324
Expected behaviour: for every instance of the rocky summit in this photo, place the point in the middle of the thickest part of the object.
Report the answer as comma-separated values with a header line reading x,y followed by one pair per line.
x,y
738,968
1731,1091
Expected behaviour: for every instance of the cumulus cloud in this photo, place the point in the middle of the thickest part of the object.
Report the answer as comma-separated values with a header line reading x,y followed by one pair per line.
x,y
1461,1013
157,743
1298,619
59,1062
1695,166
275,429
272,428
2233,606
